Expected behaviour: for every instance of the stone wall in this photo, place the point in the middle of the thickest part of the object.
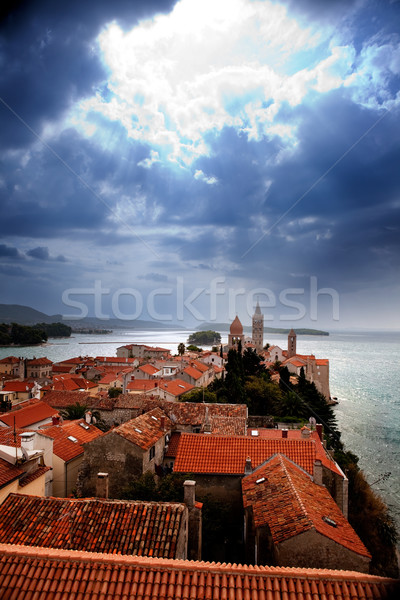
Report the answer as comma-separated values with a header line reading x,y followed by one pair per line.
x,y
110,454
311,549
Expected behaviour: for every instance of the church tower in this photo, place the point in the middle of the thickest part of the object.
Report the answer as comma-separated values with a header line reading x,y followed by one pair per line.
x,y
235,334
258,329
291,346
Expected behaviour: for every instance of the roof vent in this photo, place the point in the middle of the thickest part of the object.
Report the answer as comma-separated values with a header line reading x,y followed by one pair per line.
x,y
153,417
260,480
330,522
138,430
73,439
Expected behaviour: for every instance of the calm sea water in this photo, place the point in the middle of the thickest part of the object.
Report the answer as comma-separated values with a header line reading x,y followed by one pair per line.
x,y
364,375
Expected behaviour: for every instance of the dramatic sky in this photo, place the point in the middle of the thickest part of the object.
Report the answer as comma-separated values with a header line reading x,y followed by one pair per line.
x,y
179,160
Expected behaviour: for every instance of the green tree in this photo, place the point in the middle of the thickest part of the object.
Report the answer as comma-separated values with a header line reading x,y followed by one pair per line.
x,y
262,396
74,411
114,392
200,394
181,349
193,348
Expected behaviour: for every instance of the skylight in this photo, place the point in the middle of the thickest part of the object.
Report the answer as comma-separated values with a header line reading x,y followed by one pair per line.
x,y
73,439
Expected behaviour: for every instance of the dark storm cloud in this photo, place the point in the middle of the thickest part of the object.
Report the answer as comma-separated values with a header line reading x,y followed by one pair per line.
x,y
47,58
41,253
9,252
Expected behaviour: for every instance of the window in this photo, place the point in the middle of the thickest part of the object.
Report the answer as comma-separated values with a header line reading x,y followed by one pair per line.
x,y
152,452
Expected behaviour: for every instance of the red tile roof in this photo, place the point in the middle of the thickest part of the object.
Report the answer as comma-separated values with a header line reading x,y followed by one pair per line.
x,y
29,477
18,386
295,434
66,448
32,413
93,524
141,385
173,445
9,360
175,387
43,361
62,399
48,574
286,499
145,430
149,369
228,425
193,373
8,472
199,453
118,360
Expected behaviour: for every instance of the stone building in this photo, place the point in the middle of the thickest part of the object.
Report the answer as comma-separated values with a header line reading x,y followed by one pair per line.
x,y
125,453
291,520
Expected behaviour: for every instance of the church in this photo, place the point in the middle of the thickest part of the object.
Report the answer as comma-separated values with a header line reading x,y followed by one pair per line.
x,y
316,370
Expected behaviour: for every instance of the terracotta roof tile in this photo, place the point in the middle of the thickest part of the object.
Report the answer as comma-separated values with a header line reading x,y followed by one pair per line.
x,y
173,445
285,498
29,477
29,414
66,448
18,386
145,430
46,574
149,369
176,387
62,399
199,453
8,472
42,361
9,360
295,434
93,524
141,385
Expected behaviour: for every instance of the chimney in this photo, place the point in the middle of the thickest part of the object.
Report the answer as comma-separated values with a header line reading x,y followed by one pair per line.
x,y
320,430
163,423
248,469
28,440
88,417
189,493
194,537
305,433
55,420
317,472
102,485
284,433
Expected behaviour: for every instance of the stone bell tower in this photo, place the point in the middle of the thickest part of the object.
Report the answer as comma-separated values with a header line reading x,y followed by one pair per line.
x,y
291,346
258,329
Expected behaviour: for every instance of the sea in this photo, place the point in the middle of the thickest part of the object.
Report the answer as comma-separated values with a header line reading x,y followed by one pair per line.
x,y
364,377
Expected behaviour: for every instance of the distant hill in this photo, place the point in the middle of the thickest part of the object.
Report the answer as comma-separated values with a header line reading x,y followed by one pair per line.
x,y
25,315
248,328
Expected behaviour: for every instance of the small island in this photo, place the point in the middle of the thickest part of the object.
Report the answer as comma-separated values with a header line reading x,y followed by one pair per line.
x,y
205,338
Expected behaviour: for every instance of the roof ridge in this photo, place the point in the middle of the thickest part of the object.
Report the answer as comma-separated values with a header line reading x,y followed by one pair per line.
x,y
41,553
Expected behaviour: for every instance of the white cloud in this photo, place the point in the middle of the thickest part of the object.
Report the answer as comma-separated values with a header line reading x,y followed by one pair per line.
x,y
208,64
147,163
202,177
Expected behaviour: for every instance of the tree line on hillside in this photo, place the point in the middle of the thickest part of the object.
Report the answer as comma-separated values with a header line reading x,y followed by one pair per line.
x,y
24,335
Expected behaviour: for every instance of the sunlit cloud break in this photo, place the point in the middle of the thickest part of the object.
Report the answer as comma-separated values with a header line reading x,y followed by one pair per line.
x,y
178,77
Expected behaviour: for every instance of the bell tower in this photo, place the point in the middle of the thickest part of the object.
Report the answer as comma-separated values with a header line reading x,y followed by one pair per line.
x,y
258,329
292,338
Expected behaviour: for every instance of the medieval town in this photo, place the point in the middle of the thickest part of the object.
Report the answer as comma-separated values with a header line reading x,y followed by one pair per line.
x,y
130,456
